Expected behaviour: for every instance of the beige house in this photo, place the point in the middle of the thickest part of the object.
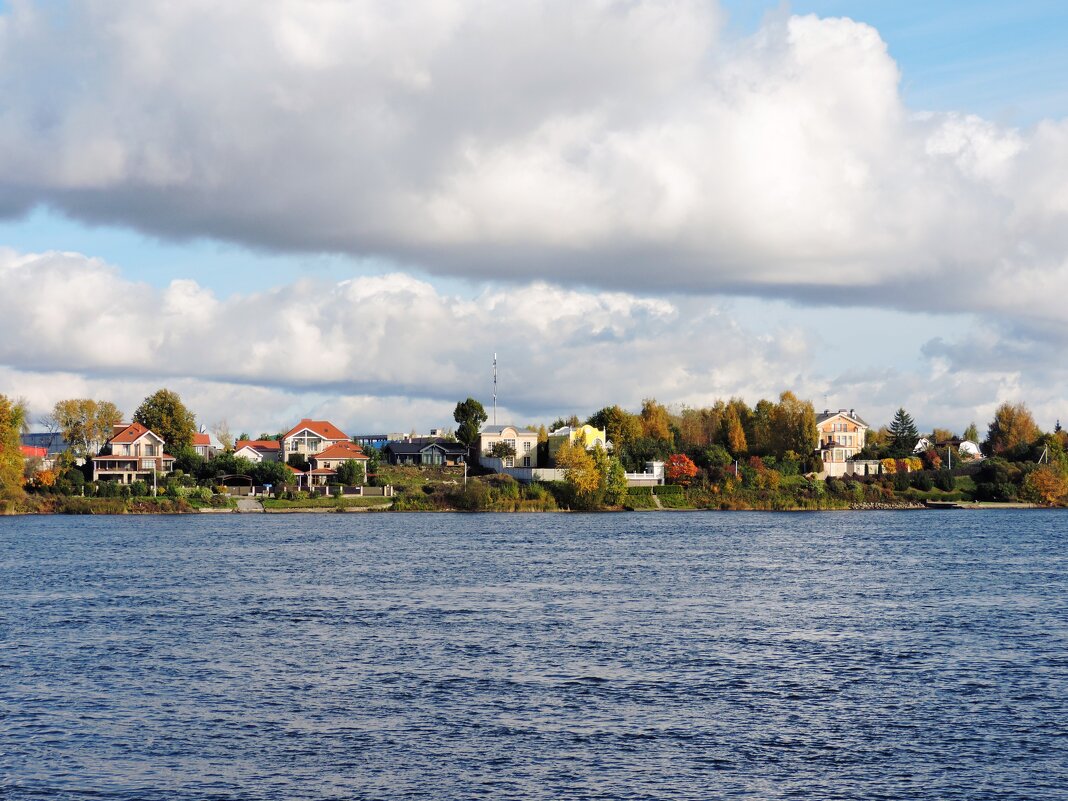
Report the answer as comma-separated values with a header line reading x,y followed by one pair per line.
x,y
523,440
842,435
137,454
309,437
324,464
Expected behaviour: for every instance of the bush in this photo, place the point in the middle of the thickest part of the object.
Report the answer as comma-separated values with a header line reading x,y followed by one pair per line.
x,y
945,481
922,481
139,489
665,489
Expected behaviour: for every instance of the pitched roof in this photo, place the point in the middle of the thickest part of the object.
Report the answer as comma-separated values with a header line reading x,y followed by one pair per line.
x,y
406,448
827,414
202,438
323,428
342,450
132,433
295,470
258,444
32,450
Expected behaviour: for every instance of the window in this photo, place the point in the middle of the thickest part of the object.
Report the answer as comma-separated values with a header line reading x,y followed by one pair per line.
x,y
526,460
526,447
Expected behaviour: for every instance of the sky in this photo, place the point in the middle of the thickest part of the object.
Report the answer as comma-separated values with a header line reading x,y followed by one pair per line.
x,y
343,210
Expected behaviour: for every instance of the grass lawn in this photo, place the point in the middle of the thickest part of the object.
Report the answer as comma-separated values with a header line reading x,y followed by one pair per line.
x,y
355,502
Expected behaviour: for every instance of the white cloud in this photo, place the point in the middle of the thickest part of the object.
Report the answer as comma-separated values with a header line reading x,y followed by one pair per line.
x,y
383,347
624,145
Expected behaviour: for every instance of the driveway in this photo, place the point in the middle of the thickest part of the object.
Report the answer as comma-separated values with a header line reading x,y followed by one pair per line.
x,y
249,505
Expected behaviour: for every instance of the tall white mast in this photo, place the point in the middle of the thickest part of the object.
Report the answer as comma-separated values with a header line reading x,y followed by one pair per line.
x,y
494,389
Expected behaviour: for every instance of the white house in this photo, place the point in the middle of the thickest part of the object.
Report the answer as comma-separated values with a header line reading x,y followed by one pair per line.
x,y
259,450
523,440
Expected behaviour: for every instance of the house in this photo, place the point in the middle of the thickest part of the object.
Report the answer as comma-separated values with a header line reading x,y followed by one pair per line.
x,y
922,445
259,450
206,445
378,441
309,437
324,464
37,456
135,454
523,440
970,450
53,443
586,435
842,435
429,452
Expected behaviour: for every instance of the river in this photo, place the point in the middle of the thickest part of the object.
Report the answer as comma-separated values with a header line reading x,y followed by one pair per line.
x,y
908,655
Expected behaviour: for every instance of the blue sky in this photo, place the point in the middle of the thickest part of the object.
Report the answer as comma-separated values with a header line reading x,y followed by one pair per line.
x,y
849,326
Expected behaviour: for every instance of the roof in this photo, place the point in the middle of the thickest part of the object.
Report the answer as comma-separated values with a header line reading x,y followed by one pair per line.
x,y
322,428
132,433
258,444
404,448
129,457
827,414
54,443
204,438
322,471
33,451
294,470
342,450
500,429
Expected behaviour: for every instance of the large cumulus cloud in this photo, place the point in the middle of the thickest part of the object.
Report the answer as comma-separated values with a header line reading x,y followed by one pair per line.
x,y
615,144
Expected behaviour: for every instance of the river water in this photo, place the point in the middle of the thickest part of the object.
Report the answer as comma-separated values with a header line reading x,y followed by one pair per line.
x,y
918,655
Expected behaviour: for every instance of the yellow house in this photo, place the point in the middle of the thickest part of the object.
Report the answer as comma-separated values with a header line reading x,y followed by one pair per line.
x,y
586,435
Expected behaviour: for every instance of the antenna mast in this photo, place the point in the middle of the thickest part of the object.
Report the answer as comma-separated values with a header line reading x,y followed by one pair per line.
x,y
494,389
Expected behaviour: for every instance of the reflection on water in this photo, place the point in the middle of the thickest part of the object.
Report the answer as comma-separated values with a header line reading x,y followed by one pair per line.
x,y
867,655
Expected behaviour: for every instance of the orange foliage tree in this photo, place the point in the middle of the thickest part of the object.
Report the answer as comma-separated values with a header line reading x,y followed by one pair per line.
x,y
680,469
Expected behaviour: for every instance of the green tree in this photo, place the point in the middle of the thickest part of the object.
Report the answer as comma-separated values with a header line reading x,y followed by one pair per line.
x,y
270,472
615,484
165,415
971,433
793,426
903,434
350,472
85,423
12,424
1011,427
469,416
620,427
502,450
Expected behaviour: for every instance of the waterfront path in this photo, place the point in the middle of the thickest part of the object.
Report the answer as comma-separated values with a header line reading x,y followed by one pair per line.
x,y
249,505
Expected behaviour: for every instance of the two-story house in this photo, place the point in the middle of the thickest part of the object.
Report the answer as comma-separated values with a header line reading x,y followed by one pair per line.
x,y
426,452
325,463
309,437
136,454
523,440
842,434
206,445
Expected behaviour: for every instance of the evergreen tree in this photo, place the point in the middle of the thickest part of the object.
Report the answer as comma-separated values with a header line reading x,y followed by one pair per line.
x,y
469,416
903,434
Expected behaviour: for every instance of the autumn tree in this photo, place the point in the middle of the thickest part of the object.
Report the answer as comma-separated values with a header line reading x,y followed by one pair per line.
x,y
679,469
942,435
580,471
971,433
903,434
86,423
164,414
1045,485
1012,425
734,432
656,422
469,416
793,425
12,424
221,430
620,427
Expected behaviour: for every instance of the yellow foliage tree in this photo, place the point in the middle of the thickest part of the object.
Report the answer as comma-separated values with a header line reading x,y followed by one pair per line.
x,y
580,469
1046,485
